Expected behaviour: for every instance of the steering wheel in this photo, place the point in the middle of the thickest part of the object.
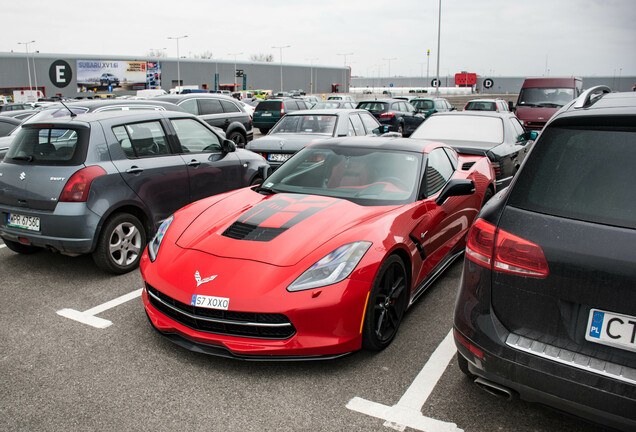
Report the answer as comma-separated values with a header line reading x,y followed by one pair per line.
x,y
395,181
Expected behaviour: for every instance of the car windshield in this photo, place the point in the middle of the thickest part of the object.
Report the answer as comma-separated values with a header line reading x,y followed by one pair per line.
x,y
423,104
570,175
545,97
365,176
461,128
313,124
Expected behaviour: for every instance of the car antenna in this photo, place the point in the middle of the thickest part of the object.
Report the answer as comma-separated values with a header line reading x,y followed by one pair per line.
x,y
69,110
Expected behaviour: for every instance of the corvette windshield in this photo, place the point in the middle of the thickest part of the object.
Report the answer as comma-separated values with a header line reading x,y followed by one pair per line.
x,y
364,176
314,124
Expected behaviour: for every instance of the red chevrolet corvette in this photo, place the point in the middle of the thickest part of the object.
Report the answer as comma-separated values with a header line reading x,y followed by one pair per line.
x,y
323,258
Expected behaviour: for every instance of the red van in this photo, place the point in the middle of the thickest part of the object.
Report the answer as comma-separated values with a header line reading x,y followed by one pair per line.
x,y
540,98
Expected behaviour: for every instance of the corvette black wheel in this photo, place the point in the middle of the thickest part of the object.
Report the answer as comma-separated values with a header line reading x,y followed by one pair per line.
x,y
386,306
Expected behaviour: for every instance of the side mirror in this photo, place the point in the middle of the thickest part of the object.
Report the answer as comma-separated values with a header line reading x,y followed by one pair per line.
x,y
453,109
528,136
228,146
455,187
380,130
511,105
265,171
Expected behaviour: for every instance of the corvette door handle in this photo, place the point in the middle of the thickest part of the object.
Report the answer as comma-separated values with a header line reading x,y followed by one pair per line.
x,y
194,163
134,170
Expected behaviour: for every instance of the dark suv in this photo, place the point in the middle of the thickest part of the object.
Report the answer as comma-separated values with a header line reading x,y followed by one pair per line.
x,y
268,112
102,183
547,303
398,114
217,110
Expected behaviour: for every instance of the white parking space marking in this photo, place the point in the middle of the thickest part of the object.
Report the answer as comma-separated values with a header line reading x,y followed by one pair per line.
x,y
88,316
407,412
3,246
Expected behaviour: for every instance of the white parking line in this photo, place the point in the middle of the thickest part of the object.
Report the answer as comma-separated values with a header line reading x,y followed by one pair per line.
x,y
408,410
3,246
88,316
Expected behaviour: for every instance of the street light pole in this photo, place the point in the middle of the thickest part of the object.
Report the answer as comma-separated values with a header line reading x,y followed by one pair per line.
x,y
389,71
344,72
178,65
428,56
281,64
311,74
26,44
234,54
439,31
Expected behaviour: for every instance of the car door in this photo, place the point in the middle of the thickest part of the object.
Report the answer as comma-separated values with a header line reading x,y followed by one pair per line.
x,y
149,167
210,170
440,226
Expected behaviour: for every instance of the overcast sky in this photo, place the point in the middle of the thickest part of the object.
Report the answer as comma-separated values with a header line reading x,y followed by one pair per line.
x,y
489,37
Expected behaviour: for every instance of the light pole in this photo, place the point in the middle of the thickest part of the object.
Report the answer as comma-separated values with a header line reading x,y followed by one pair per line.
x,y
428,56
26,44
234,54
344,72
281,64
439,31
178,65
311,74
389,59
35,74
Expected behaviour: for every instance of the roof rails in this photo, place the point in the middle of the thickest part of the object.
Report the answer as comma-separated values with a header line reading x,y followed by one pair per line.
x,y
591,95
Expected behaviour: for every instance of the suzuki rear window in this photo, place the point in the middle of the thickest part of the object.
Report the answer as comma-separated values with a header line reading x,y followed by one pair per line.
x,y
580,173
49,146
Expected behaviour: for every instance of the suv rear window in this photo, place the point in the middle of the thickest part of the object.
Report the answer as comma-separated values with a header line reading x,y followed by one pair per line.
x,y
49,146
269,106
581,173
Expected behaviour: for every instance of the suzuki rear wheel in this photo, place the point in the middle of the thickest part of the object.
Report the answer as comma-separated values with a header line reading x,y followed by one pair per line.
x,y
386,305
120,244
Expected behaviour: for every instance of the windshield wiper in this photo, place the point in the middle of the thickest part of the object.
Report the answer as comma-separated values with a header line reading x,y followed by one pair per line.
x,y
266,190
24,158
549,105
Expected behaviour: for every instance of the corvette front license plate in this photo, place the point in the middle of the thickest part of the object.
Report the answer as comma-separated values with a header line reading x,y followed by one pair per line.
x,y
609,328
210,302
30,223
278,157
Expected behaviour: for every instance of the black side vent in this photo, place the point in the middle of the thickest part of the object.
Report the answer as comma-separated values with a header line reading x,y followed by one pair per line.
x,y
243,231
467,166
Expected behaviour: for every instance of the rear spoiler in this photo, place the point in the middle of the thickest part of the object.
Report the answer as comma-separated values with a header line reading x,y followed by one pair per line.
x,y
471,151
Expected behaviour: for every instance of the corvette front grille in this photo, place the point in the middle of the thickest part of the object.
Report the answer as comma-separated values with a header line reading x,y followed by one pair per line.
x,y
243,324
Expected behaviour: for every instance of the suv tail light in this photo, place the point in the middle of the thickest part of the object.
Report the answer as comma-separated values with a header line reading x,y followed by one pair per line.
x,y
499,250
388,114
282,109
77,187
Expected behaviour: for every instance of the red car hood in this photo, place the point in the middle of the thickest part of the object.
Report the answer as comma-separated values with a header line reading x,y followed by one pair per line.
x,y
277,229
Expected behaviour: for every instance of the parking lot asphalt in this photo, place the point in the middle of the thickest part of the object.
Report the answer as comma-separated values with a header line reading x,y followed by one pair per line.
x,y
59,374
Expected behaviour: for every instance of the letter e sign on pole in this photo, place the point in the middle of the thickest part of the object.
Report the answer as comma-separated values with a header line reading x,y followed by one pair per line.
x,y
60,73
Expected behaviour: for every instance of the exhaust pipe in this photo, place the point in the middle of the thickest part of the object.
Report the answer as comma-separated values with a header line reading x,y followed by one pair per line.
x,y
494,388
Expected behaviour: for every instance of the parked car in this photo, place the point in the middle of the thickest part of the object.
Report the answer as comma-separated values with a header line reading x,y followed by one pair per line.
x,y
313,100
497,105
430,106
499,136
321,260
218,110
8,124
334,104
20,114
108,78
341,97
268,112
14,107
300,128
547,303
102,183
399,115
540,98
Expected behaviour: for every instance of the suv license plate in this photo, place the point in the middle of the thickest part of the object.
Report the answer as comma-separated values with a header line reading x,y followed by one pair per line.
x,y
278,157
30,223
609,328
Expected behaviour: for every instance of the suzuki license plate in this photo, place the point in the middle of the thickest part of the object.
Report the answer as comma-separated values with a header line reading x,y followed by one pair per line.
x,y
30,223
609,328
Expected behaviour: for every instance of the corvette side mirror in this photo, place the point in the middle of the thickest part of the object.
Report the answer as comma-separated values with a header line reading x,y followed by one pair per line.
x,y
455,187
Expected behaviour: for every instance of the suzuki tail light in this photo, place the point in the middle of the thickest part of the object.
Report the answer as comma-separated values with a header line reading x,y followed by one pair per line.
x,y
78,186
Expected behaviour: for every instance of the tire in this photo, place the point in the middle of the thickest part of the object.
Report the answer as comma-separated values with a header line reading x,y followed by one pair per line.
x,y
462,364
401,129
239,139
487,196
120,244
386,306
21,248
256,181
263,130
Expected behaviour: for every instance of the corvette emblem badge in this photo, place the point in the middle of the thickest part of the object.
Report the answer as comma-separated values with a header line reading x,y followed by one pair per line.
x,y
200,281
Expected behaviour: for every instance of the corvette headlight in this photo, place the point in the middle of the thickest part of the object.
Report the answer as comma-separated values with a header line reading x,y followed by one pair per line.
x,y
333,268
155,243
